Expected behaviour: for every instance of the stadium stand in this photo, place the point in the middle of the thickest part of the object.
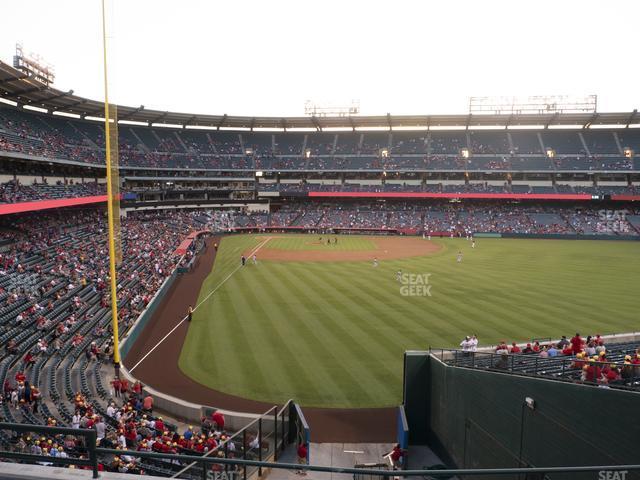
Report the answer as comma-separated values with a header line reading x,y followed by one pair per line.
x,y
55,329
590,360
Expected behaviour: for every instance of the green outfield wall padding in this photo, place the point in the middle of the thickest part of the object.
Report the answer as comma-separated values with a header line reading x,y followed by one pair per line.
x,y
481,419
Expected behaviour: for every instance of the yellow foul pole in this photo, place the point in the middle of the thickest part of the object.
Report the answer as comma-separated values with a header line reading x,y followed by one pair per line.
x,y
112,248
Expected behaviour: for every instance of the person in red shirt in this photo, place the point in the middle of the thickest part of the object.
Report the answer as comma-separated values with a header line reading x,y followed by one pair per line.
x,y
397,455
28,360
137,388
515,348
218,419
147,404
592,371
576,344
303,452
610,373
159,425
116,386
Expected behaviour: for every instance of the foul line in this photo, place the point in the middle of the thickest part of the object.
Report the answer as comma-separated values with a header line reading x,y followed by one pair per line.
x,y
197,306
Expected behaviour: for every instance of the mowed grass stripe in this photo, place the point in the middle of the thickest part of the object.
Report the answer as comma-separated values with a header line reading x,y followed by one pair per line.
x,y
348,337
504,289
247,371
314,340
391,312
271,339
284,320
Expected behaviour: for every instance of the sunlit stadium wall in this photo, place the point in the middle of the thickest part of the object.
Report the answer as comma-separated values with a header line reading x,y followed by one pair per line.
x,y
479,419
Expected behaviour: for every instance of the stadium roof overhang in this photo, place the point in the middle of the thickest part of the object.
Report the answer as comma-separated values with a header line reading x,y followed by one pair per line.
x,y
17,87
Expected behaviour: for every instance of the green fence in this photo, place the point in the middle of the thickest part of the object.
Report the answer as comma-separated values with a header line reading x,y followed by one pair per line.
x,y
484,419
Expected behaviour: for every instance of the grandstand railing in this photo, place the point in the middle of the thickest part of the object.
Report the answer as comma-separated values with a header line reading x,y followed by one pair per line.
x,y
232,464
560,368
89,436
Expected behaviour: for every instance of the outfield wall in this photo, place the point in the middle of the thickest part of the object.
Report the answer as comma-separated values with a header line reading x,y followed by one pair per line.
x,y
557,236
479,419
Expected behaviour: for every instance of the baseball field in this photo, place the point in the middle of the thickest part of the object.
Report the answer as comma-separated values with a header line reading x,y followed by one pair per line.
x,y
327,324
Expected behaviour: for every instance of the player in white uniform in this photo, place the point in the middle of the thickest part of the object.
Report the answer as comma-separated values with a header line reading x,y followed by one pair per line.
x,y
375,262
459,257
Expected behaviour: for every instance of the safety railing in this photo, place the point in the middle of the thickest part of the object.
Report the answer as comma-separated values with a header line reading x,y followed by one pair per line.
x,y
211,467
562,368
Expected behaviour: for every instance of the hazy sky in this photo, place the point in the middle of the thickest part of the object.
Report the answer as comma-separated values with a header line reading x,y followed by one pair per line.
x,y
267,57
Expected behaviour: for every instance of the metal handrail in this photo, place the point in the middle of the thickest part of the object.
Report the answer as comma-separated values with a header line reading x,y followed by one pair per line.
x,y
94,451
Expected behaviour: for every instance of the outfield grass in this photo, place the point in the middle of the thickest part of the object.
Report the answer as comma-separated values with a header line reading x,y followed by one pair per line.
x,y
333,334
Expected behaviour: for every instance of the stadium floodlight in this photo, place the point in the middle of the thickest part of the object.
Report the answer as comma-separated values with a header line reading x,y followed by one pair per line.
x,y
540,104
166,125
65,114
97,119
307,153
565,127
34,66
447,127
409,128
487,127
465,153
248,151
608,126
200,127
551,153
133,122
259,173
35,109
384,153
628,153
525,127
373,129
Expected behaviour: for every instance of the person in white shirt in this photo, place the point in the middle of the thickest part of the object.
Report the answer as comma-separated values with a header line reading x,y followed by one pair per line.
x,y
474,343
100,429
75,421
466,345
111,410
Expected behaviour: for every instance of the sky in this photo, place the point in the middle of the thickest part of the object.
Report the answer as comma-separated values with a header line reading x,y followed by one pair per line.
x,y
259,57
